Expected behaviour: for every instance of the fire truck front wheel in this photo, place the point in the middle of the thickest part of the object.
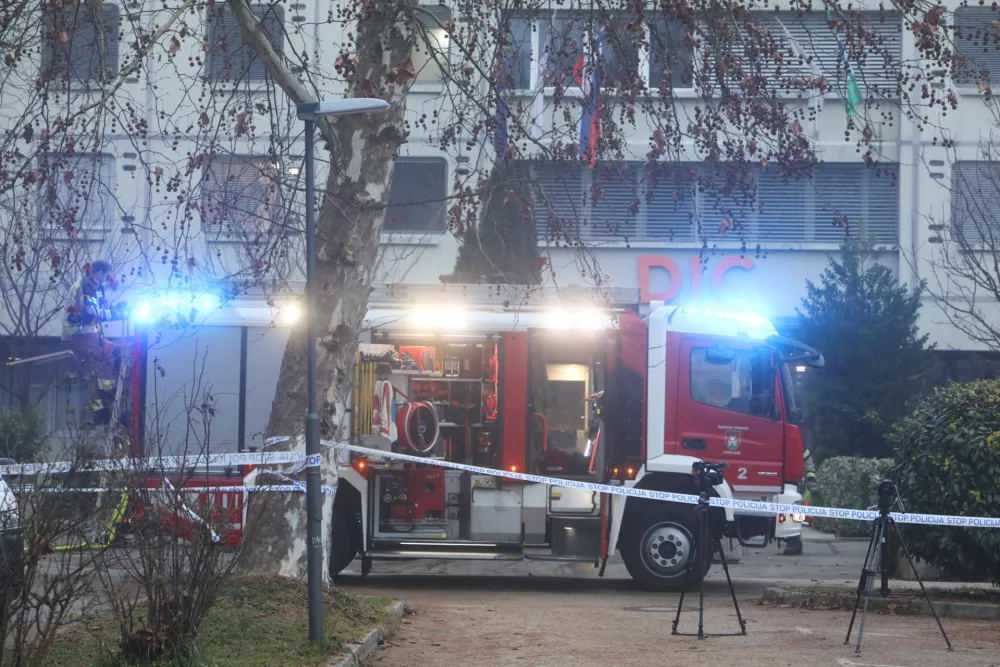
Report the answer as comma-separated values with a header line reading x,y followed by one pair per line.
x,y
657,546
343,546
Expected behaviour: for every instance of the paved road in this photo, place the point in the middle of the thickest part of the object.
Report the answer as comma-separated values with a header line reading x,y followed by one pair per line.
x,y
554,615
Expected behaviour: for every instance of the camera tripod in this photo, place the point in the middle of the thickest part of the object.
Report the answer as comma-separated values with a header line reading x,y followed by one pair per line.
x,y
708,474
877,560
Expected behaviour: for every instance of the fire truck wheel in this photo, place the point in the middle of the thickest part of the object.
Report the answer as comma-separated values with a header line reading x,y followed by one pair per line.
x,y
343,547
657,546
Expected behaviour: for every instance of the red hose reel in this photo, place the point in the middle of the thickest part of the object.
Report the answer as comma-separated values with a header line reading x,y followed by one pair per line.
x,y
417,427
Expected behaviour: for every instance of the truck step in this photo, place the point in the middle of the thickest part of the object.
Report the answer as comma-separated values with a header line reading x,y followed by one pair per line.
x,y
450,549
562,559
413,554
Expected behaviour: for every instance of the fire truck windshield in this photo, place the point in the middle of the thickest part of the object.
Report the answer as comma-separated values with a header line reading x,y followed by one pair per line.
x,y
793,353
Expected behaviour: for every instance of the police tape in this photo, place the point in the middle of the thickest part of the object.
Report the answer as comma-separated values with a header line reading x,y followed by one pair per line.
x,y
272,458
155,463
688,499
295,487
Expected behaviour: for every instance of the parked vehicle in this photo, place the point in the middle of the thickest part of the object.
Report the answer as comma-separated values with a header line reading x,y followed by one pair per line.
x,y
572,393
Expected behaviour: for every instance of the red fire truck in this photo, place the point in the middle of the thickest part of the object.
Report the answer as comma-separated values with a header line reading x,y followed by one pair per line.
x,y
570,392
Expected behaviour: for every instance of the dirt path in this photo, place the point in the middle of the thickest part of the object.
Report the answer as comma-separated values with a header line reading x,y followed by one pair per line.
x,y
555,624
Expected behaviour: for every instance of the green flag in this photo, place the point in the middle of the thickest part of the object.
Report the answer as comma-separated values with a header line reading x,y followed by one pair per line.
x,y
854,96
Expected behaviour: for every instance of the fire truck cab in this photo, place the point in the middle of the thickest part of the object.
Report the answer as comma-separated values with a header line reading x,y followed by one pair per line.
x,y
575,393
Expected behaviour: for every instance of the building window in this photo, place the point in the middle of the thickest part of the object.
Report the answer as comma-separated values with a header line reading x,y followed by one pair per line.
x,y
840,199
229,59
78,194
81,42
808,47
430,51
545,50
240,193
975,200
976,42
692,203
417,196
549,46
670,58
55,389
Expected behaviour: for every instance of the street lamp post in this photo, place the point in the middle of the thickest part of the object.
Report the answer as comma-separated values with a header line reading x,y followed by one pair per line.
x,y
309,112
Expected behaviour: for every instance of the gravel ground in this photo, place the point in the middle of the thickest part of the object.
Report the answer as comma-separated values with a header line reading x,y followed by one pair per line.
x,y
551,615
546,623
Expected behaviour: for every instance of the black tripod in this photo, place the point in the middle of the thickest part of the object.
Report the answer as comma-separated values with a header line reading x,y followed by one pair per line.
x,y
708,475
877,561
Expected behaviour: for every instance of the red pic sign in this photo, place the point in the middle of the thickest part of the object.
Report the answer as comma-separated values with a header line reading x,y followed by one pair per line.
x,y
718,273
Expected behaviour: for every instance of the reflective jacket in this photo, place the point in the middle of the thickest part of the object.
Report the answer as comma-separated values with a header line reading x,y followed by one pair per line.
x,y
811,480
87,308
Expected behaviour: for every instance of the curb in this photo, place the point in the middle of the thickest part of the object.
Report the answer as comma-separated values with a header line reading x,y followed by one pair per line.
x,y
374,639
905,603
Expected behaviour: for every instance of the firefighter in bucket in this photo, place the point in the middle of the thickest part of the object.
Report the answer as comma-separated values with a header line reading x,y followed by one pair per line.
x,y
87,311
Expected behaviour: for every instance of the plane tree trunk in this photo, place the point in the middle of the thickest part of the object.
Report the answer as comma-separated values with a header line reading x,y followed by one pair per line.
x,y
348,223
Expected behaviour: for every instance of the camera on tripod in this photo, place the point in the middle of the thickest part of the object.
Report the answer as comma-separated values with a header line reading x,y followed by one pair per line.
x,y
709,474
887,494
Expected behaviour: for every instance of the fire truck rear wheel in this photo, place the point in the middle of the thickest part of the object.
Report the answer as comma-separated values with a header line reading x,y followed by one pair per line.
x,y
343,547
657,547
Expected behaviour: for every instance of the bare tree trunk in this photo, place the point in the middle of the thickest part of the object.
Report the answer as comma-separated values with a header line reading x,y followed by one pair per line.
x,y
348,226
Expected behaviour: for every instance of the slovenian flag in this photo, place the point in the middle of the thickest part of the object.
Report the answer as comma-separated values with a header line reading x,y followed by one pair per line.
x,y
590,121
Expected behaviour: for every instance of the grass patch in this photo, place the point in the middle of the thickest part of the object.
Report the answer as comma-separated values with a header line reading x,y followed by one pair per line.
x,y
256,622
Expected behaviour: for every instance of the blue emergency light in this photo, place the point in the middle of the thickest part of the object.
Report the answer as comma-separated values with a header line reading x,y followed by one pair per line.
x,y
149,307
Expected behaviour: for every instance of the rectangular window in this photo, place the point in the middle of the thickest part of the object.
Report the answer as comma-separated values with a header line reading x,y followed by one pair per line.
x,y
841,198
80,42
240,193
671,58
976,42
59,391
518,51
550,46
430,52
79,193
733,380
692,203
975,199
229,59
55,389
562,41
808,47
417,196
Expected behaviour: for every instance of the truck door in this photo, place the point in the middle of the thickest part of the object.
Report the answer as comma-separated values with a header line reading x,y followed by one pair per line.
x,y
727,410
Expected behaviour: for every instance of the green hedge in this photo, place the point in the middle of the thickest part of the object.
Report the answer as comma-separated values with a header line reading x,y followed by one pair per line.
x,y
848,482
22,434
948,462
